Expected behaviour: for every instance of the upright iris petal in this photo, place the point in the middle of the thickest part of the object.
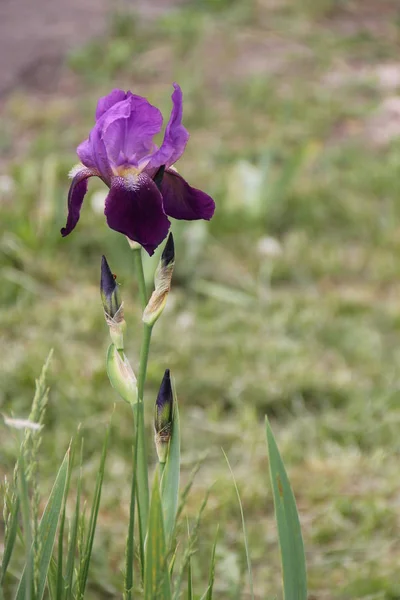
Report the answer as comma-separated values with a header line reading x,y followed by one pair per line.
x,y
144,190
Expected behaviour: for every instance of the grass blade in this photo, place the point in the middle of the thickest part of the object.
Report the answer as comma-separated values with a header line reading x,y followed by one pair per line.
x,y
85,563
47,533
170,477
156,576
130,543
69,571
59,582
289,531
10,541
246,544
142,482
208,594
190,575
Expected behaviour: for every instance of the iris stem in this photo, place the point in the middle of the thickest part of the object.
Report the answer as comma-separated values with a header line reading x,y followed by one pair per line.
x,y
137,261
142,480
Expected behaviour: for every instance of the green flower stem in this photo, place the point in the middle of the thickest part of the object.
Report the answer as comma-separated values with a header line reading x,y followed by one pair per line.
x,y
142,479
137,260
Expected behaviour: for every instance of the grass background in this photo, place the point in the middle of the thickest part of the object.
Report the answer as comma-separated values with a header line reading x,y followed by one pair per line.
x,y
287,303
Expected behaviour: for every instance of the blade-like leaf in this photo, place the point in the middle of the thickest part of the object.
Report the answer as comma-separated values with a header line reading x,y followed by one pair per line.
x,y
130,542
69,571
190,576
246,545
170,477
11,537
156,574
142,482
85,563
59,582
47,532
289,531
208,594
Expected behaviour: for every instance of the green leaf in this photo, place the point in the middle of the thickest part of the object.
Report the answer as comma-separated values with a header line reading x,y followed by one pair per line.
x,y
246,544
130,541
170,477
208,594
156,573
47,532
11,537
59,572
190,575
69,571
142,481
85,563
289,531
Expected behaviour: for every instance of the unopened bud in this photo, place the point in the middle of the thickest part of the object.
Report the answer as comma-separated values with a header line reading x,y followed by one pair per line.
x,y
120,374
113,307
163,418
162,283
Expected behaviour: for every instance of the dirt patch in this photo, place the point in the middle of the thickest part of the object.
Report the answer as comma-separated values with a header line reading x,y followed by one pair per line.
x,y
36,36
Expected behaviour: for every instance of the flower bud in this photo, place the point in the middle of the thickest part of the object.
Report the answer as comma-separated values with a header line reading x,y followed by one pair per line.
x,y
162,283
113,307
120,374
163,418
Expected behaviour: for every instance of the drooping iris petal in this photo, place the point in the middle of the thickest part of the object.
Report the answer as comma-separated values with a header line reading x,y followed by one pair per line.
x,y
108,101
76,195
134,207
181,201
128,129
176,135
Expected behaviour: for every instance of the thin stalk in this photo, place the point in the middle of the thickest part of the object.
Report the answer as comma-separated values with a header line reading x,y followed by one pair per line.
x,y
137,261
142,479
144,357
130,542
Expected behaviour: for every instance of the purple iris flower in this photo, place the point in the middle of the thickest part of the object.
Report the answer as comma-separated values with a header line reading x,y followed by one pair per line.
x,y
145,189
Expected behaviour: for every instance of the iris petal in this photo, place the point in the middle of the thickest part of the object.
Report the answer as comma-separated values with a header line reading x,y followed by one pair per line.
x,y
128,129
176,135
181,201
134,207
76,195
108,101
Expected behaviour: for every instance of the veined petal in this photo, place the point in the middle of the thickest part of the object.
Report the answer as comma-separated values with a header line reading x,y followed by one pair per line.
x,y
181,201
134,207
92,153
128,129
176,135
108,101
76,195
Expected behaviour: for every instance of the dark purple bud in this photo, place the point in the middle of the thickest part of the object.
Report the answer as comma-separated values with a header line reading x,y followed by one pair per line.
x,y
163,418
109,290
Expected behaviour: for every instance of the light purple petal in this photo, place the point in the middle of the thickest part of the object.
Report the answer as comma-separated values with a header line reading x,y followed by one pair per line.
x,y
135,208
128,129
108,101
76,195
181,201
176,135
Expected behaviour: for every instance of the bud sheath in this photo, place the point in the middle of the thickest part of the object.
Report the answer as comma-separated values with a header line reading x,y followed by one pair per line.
x,y
163,418
162,283
112,305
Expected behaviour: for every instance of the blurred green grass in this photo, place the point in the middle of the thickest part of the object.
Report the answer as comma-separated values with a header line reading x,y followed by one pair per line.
x,y
287,106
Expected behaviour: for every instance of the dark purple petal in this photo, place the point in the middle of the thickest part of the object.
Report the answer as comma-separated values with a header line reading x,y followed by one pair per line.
x,y
76,195
176,135
128,129
108,101
181,201
92,153
134,207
